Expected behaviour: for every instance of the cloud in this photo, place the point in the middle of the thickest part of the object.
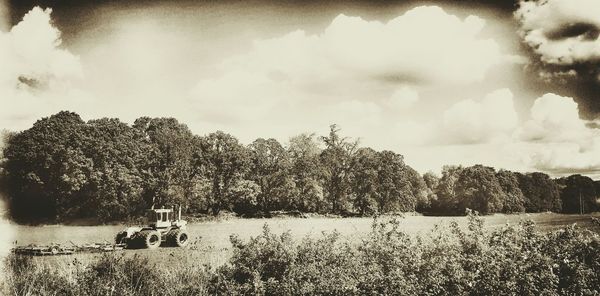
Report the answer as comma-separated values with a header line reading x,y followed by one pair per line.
x,y
426,44
555,139
478,121
562,32
36,74
353,56
554,119
31,51
403,97
566,158
363,75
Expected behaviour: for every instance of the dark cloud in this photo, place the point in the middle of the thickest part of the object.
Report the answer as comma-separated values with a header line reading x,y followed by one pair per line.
x,y
558,35
31,82
585,30
83,7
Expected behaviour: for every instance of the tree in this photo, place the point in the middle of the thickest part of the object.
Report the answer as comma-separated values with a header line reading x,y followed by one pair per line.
x,y
365,172
578,194
418,188
337,159
514,200
170,167
306,172
447,201
46,169
244,196
270,169
477,188
540,191
116,183
227,162
395,190
431,181
4,137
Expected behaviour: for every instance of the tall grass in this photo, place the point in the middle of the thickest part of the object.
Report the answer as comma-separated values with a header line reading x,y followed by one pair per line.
x,y
449,260
109,274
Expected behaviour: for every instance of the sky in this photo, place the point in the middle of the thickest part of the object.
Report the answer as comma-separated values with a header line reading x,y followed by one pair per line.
x,y
514,85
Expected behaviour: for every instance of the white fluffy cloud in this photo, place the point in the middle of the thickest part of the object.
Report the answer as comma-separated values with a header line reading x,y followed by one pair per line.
x,y
36,73
352,59
556,139
563,32
424,44
361,74
476,121
554,119
403,97
552,138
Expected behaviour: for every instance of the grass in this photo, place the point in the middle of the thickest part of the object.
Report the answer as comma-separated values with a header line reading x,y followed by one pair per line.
x,y
172,270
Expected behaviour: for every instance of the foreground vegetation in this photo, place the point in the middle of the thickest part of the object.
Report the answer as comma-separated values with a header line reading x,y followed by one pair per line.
x,y
449,260
64,169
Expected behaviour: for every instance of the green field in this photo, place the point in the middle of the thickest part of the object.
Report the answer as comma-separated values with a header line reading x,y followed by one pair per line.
x,y
402,254
210,240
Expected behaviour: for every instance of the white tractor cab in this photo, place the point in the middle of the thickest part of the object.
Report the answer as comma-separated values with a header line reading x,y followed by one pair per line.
x,y
164,218
163,228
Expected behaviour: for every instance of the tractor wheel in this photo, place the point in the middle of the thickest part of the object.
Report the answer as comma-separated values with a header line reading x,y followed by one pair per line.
x,y
178,238
149,239
120,236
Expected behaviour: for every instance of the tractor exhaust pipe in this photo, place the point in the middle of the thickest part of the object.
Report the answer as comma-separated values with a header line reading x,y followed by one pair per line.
x,y
179,216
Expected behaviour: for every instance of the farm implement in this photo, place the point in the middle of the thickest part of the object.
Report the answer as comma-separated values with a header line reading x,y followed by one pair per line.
x,y
57,249
163,229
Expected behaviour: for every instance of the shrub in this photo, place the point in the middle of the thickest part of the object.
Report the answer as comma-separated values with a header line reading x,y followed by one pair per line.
x,y
451,260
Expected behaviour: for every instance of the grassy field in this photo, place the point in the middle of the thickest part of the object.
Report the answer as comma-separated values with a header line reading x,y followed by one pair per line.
x,y
352,263
210,240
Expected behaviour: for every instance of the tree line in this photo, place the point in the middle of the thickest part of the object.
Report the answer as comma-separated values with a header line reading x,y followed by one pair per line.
x,y
64,168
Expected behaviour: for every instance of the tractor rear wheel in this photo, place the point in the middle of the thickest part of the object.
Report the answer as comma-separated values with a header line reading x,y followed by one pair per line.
x,y
149,239
120,236
178,238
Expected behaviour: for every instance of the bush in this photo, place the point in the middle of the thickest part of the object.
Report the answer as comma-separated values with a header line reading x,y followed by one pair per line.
x,y
257,266
511,260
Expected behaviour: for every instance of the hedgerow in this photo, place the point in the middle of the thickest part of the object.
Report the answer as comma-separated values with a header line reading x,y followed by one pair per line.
x,y
448,260
511,260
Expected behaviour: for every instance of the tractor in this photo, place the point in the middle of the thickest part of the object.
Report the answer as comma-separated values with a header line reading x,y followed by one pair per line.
x,y
162,229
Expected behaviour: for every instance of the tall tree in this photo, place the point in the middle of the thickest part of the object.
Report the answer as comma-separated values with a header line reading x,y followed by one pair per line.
x,y
418,188
578,194
395,190
270,169
447,201
365,172
116,183
337,160
514,200
46,168
431,181
478,188
307,173
540,191
170,167
227,162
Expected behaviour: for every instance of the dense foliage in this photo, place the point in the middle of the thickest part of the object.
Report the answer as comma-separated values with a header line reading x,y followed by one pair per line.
x,y
512,260
64,168
449,260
